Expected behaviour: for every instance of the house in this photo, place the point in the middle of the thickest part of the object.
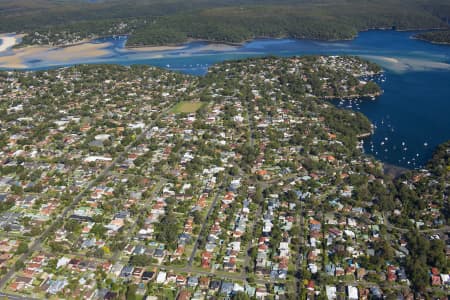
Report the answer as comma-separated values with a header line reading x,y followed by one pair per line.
x,y
148,275
55,286
226,288
184,295
181,280
161,278
238,288
126,271
352,292
445,279
192,281
435,280
214,285
310,286
137,272
159,253
204,282
376,293
261,293
331,292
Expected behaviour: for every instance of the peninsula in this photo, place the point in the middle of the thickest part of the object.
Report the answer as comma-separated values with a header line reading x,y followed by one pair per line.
x,y
130,182
436,37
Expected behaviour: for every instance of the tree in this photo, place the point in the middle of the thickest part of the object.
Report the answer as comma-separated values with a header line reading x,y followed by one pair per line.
x,y
72,226
168,230
19,265
55,246
418,272
99,230
140,260
240,296
259,197
131,292
23,247
198,218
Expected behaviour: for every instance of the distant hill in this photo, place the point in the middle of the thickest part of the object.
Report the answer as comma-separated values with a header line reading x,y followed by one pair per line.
x,y
156,22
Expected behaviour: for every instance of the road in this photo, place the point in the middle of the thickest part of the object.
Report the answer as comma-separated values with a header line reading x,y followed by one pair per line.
x,y
250,125
222,275
251,243
299,258
388,225
14,297
202,233
155,191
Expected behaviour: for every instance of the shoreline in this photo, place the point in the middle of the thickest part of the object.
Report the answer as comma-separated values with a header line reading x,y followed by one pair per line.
x,y
349,97
430,41
280,37
394,171
365,135
173,46
184,44
154,48
243,42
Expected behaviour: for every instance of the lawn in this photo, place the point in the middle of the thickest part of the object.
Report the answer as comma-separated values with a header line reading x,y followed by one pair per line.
x,y
187,107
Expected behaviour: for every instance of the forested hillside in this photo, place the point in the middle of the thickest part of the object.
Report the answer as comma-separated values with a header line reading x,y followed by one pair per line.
x,y
438,37
158,22
325,21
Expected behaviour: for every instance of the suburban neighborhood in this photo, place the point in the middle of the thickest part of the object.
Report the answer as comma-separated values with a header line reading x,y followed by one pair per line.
x,y
247,183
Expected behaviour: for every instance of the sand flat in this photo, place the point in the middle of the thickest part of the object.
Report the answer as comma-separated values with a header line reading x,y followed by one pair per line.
x,y
12,62
404,64
17,58
81,51
7,42
217,47
207,47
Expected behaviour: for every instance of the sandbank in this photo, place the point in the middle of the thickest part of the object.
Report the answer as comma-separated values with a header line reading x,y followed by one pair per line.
x,y
217,47
7,42
17,58
12,62
401,65
154,48
81,51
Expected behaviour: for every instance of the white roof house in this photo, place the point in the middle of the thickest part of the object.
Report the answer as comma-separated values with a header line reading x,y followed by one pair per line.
x,y
161,278
331,292
352,292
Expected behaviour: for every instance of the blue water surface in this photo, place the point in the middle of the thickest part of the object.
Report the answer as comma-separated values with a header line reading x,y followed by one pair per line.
x,y
411,117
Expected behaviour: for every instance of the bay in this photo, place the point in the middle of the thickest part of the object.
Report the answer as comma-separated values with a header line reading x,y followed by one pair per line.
x,y
411,117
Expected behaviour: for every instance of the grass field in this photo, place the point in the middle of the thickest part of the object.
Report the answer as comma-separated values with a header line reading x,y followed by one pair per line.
x,y
187,107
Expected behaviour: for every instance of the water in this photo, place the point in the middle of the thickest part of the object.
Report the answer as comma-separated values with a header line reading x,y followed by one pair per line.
x,y
413,114
411,117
